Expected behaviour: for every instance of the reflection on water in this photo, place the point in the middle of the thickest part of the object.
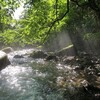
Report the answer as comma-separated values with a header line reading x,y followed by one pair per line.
x,y
14,82
24,83
38,80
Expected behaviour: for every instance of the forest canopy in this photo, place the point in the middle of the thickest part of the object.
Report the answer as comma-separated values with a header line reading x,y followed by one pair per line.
x,y
42,19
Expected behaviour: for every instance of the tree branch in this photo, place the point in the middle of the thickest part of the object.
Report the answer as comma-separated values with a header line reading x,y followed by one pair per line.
x,y
58,19
56,6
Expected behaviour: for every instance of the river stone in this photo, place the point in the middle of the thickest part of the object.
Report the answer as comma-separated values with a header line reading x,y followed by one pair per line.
x,y
38,54
4,61
52,57
7,49
18,56
71,60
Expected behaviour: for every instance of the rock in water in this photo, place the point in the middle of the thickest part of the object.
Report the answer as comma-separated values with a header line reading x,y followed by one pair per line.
x,y
7,49
4,61
38,54
18,56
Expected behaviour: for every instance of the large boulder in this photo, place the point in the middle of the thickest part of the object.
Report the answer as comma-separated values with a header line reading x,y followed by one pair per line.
x,y
4,61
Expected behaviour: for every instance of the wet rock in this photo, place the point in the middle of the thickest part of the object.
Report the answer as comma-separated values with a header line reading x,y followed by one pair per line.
x,y
4,61
18,56
69,60
38,54
52,57
7,49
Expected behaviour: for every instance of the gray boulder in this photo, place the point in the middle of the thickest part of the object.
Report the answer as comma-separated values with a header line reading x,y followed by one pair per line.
x,y
7,49
4,61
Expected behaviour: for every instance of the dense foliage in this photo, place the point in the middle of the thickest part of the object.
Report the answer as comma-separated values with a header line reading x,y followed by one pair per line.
x,y
44,18
7,9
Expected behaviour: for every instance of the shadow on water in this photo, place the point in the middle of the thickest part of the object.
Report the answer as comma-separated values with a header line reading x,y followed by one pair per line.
x,y
36,79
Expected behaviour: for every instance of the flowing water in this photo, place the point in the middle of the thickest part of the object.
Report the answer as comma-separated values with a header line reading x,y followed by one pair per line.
x,y
35,79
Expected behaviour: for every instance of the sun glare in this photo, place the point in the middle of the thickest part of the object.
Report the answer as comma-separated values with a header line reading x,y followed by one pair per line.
x,y
18,12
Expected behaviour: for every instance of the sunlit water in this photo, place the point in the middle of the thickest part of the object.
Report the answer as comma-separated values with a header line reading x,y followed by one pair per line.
x,y
34,79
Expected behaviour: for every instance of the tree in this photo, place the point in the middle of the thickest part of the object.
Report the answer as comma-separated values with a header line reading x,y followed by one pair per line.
x,y
44,18
7,8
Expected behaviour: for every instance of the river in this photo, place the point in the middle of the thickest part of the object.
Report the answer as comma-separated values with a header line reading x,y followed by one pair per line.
x,y
35,79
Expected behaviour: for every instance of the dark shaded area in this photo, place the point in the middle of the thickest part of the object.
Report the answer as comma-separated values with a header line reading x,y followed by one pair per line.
x,y
4,62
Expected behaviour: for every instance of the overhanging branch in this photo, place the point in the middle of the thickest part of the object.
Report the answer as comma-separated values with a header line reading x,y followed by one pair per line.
x,y
58,19
56,6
